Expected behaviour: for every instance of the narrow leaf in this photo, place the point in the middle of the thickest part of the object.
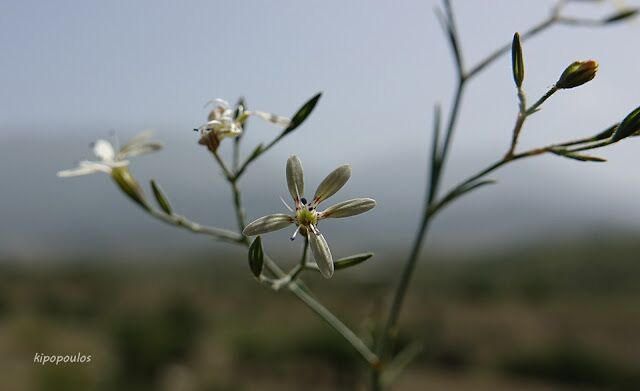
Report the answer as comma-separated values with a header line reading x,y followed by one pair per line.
x,y
629,125
256,152
350,261
256,257
621,15
577,156
605,134
301,115
163,202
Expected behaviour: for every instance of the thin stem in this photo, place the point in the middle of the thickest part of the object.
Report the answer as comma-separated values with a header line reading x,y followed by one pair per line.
x,y
237,203
303,260
536,106
225,170
545,24
601,144
183,222
522,116
250,159
235,163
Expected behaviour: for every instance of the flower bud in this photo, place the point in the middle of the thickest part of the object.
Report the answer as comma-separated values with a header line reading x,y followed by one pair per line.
x,y
577,74
129,185
517,63
629,125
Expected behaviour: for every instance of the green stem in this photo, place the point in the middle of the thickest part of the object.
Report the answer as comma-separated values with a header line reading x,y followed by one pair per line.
x,y
250,159
545,24
540,101
183,222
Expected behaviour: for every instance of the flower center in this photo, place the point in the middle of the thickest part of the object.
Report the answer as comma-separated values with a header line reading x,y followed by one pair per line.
x,y
306,216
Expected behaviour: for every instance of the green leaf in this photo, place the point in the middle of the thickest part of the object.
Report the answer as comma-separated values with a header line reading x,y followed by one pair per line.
x,y
256,152
621,16
577,156
163,202
301,115
350,261
605,134
256,257
517,62
629,125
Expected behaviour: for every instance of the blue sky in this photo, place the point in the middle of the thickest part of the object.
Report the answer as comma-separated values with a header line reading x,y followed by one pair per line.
x,y
73,71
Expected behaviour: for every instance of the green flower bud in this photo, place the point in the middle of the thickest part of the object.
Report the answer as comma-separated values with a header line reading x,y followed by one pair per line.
x,y
577,74
517,63
129,185
629,125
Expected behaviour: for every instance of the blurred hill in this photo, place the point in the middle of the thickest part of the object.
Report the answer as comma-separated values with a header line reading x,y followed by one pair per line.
x,y
552,315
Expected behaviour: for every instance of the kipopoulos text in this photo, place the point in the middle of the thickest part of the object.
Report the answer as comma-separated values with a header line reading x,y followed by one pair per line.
x,y
57,359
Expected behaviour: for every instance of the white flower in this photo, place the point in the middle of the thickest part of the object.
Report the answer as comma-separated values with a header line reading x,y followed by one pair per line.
x,y
306,217
224,122
110,159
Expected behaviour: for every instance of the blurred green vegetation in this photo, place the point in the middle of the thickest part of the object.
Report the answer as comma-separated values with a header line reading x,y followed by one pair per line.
x,y
548,316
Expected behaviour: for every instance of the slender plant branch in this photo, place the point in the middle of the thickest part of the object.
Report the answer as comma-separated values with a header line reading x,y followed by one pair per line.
x,y
535,30
439,161
183,222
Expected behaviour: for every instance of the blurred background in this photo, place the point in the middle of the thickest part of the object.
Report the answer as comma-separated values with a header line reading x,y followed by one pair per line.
x,y
532,284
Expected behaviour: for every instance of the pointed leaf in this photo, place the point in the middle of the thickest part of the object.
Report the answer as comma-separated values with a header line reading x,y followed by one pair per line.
x,y
352,260
629,125
163,202
256,257
256,152
605,134
624,14
577,156
301,115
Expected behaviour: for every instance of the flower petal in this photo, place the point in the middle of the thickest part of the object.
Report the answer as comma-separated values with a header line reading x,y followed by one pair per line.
x,y
138,145
348,208
332,183
295,178
272,118
267,224
104,150
321,253
86,167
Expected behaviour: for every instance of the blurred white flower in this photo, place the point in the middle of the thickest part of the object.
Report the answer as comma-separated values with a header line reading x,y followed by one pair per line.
x,y
110,159
225,122
306,217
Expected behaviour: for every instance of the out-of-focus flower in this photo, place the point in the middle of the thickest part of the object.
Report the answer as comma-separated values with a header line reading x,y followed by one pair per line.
x,y
115,164
110,159
306,217
225,122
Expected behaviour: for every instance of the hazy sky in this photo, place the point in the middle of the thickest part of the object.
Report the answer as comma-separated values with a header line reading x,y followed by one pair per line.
x,y
72,71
